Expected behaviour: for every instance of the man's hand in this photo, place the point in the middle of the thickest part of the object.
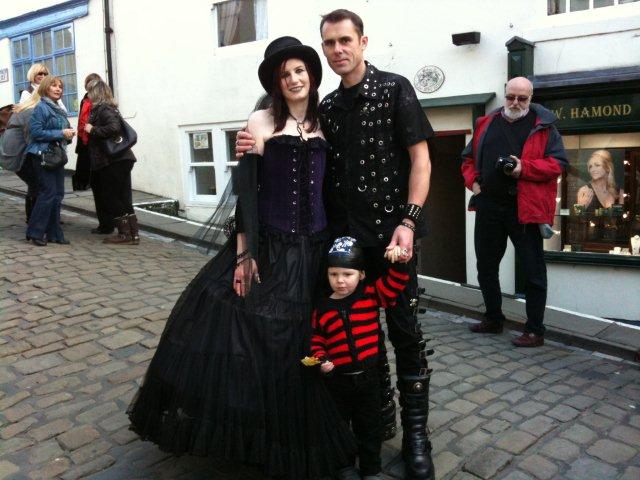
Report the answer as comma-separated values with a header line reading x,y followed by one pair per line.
x,y
475,188
244,143
403,238
518,170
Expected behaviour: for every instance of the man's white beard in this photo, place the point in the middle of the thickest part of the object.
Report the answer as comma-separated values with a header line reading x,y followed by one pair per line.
x,y
514,114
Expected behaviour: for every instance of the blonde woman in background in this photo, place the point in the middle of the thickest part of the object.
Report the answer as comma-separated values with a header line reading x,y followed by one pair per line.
x,y
35,75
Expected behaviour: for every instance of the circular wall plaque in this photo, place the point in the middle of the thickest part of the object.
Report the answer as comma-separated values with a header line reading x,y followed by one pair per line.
x,y
429,79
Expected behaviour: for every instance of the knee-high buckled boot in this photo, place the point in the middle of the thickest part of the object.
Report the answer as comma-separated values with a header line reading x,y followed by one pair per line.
x,y
388,411
133,228
416,447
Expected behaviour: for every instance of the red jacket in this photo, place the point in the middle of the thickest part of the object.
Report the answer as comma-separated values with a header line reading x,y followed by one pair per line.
x,y
543,158
349,336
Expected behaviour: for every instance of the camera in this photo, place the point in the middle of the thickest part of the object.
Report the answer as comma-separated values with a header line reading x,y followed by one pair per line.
x,y
506,164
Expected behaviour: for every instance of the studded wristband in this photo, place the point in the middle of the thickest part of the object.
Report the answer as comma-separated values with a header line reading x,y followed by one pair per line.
x,y
412,212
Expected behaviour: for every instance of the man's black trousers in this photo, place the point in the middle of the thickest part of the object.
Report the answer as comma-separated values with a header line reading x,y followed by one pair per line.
x,y
400,319
495,223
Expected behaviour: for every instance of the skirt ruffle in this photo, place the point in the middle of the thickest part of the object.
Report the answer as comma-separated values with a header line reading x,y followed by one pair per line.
x,y
226,380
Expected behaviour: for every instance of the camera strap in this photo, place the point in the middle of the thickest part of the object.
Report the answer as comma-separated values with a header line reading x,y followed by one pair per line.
x,y
509,136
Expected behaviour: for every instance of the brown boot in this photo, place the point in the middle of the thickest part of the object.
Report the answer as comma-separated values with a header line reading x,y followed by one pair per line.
x,y
486,327
133,228
528,340
124,232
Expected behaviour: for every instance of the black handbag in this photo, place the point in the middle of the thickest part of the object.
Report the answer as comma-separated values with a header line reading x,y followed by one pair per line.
x,y
122,141
54,157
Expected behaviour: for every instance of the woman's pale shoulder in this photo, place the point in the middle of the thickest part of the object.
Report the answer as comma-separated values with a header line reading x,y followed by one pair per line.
x,y
260,121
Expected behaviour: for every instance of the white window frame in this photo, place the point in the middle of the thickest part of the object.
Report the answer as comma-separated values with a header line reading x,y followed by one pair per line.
x,y
567,7
221,162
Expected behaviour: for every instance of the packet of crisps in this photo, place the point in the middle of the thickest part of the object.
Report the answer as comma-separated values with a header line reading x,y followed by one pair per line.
x,y
310,361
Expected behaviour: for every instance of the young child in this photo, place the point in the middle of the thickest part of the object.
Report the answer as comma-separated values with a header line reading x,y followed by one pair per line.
x,y
346,334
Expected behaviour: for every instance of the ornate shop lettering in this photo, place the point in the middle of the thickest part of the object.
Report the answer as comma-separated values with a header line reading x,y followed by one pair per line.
x,y
585,112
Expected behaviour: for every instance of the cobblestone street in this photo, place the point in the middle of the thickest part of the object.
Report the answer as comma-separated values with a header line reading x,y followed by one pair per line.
x,y
80,323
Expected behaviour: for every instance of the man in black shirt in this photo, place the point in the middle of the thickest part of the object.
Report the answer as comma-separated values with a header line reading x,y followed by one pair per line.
x,y
513,200
376,184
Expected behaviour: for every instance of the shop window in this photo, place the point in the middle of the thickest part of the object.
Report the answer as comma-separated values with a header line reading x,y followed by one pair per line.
x,y
53,47
599,194
241,21
211,154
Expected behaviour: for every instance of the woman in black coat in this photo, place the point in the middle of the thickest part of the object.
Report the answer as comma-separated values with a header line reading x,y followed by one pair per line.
x,y
113,173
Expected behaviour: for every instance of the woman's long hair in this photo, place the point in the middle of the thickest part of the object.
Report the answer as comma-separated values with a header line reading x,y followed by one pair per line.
x,y
279,106
607,162
100,93
32,102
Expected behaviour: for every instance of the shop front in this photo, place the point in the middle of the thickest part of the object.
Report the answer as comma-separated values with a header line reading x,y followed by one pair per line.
x,y
594,260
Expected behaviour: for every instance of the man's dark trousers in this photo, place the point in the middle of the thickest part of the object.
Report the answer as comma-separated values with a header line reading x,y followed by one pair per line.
x,y
494,223
400,319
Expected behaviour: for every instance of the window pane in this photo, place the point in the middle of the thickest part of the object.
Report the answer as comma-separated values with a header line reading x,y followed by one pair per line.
x,y
556,6
201,147
600,200
21,49
63,39
577,5
627,1
205,180
602,3
38,47
236,22
231,145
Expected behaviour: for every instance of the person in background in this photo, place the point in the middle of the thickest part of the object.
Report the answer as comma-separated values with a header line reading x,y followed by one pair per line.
x,y
113,174
13,156
48,124
511,165
82,178
36,73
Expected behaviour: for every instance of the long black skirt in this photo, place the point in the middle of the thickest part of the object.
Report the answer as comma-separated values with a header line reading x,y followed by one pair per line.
x,y
226,380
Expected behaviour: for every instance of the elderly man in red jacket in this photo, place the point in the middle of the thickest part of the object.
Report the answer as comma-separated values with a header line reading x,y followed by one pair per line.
x,y
511,165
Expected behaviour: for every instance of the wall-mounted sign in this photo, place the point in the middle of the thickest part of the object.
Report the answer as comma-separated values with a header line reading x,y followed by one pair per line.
x,y
588,112
4,75
429,79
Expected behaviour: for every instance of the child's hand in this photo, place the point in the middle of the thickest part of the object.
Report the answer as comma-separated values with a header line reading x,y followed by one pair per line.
x,y
326,367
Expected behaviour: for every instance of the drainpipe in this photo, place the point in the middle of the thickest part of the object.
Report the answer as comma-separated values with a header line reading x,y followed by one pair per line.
x,y
107,40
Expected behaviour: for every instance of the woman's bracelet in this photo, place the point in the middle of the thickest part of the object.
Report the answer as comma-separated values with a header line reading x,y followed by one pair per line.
x,y
409,226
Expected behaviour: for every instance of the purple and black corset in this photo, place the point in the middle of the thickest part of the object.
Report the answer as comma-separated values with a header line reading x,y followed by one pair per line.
x,y
290,184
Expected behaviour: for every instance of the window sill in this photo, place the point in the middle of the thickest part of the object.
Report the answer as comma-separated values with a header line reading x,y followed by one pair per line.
x,y
588,258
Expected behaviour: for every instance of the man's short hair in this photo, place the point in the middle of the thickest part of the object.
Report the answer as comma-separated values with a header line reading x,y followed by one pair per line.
x,y
343,14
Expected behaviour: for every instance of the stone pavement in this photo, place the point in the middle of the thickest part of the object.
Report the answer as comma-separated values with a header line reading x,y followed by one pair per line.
x,y
79,324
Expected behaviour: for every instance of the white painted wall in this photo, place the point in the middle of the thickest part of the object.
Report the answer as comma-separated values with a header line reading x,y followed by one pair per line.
x,y
612,292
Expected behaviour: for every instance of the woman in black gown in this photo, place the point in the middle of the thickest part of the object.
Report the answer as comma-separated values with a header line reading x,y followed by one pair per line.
x,y
226,380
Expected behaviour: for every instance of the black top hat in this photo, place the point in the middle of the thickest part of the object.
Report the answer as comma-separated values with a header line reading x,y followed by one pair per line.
x,y
282,49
